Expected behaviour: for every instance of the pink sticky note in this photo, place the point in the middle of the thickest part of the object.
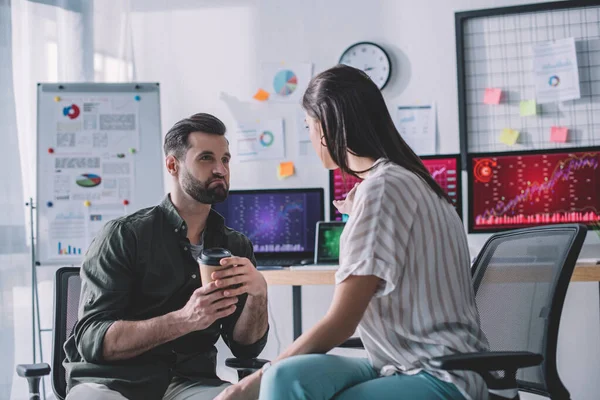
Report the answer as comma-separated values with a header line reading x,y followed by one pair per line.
x,y
558,134
492,96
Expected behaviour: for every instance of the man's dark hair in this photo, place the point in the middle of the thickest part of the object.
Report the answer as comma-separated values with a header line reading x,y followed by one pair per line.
x,y
176,140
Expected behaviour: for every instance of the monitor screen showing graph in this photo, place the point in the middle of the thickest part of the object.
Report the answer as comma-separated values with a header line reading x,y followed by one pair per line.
x,y
276,221
445,169
520,189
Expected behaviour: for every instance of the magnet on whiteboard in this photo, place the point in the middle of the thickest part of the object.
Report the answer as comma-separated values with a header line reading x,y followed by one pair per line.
x,y
57,98
87,203
50,150
125,202
132,150
49,204
138,98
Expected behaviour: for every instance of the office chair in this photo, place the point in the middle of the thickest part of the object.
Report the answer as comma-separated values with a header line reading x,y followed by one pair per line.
x,y
67,289
520,279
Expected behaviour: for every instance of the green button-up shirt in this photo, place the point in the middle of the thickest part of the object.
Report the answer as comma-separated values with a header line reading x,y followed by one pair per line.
x,y
140,267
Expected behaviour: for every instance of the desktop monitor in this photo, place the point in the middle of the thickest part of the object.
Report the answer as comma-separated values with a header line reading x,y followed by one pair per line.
x,y
445,169
280,222
530,188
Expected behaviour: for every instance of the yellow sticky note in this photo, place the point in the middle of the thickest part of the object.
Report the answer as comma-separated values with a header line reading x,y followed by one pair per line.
x,y
285,169
528,108
261,95
509,136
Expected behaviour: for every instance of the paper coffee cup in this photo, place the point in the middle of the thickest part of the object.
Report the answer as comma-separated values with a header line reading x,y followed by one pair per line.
x,y
210,261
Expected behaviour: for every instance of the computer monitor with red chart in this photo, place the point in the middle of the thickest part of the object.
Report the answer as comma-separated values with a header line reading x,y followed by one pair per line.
x,y
445,169
522,189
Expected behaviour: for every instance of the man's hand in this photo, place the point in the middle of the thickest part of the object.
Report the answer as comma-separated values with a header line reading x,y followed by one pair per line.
x,y
345,206
242,276
206,305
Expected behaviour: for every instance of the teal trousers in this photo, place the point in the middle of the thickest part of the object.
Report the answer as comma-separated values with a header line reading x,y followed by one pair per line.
x,y
321,376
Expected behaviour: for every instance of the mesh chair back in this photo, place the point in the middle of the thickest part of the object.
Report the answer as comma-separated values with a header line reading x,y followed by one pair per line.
x,y
67,288
520,280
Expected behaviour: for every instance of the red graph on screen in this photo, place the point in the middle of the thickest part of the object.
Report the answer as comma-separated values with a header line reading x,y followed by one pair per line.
x,y
536,189
443,170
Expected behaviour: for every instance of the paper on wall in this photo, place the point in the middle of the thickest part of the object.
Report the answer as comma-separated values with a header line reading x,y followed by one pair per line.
x,y
260,140
417,126
556,73
85,124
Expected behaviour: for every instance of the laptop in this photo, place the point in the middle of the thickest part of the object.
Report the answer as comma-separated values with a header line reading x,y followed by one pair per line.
x,y
281,223
327,246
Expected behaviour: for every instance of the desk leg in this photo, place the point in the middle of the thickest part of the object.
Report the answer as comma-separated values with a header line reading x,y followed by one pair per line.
x,y
297,310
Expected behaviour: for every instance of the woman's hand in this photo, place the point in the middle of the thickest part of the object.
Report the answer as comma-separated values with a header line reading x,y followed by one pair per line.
x,y
246,389
345,206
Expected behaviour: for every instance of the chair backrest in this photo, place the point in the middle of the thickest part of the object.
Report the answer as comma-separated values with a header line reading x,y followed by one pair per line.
x,y
67,288
520,279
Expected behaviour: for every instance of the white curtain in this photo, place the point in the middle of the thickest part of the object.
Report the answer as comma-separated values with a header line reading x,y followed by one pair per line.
x,y
42,41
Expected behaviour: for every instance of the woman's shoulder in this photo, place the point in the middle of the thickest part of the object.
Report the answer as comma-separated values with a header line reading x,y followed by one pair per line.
x,y
390,174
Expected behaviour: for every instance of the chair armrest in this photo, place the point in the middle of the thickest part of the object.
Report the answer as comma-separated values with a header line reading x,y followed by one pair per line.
x,y
487,361
352,343
245,364
33,370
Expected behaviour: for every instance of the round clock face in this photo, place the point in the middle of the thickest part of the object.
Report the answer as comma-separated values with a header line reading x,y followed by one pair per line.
x,y
370,58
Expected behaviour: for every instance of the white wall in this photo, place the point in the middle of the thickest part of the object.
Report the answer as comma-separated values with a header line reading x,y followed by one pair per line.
x,y
206,55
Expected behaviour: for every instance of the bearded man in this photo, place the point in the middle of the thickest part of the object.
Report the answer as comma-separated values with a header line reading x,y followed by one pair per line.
x,y
147,324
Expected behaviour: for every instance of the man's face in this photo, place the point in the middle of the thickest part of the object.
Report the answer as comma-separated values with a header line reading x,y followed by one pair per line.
x,y
204,172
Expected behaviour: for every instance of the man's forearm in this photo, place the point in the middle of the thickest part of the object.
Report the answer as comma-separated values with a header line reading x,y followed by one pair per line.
x,y
253,321
128,339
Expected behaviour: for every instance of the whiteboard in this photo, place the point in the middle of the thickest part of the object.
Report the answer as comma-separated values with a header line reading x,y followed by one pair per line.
x,y
494,49
99,157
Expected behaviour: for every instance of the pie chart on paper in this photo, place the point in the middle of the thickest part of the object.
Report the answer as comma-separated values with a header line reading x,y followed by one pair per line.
x,y
285,82
88,180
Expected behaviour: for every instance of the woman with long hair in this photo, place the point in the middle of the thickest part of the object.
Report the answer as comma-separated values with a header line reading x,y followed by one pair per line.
x,y
403,279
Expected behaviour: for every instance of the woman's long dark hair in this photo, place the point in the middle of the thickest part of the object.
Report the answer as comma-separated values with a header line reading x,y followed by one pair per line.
x,y
355,118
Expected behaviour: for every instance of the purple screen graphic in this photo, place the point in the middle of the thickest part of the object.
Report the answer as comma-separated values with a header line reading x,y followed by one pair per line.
x,y
274,222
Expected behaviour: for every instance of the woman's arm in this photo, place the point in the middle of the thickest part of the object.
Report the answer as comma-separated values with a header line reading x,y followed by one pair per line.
x,y
350,300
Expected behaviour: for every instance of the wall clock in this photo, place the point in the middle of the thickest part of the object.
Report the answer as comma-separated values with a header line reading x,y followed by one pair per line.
x,y
370,58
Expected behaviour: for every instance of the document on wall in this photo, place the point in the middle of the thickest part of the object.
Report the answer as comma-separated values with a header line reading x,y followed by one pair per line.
x,y
417,126
93,178
556,73
67,237
260,140
97,124
305,149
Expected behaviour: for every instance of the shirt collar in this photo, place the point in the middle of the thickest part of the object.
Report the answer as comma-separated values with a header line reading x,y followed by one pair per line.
x,y
381,161
214,222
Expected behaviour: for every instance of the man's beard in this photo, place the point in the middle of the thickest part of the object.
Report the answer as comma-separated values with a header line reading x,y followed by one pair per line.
x,y
201,192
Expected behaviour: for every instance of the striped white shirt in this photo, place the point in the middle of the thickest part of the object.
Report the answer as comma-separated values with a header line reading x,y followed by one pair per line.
x,y
400,231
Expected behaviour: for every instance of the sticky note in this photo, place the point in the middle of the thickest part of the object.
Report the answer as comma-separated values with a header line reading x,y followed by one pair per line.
x,y
528,108
285,169
509,136
492,96
558,134
261,95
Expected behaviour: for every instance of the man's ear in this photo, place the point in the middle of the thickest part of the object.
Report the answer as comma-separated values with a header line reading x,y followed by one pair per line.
x,y
172,165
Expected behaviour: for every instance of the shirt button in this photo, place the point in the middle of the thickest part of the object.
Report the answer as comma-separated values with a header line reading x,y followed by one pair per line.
x,y
185,248
183,226
176,230
194,276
